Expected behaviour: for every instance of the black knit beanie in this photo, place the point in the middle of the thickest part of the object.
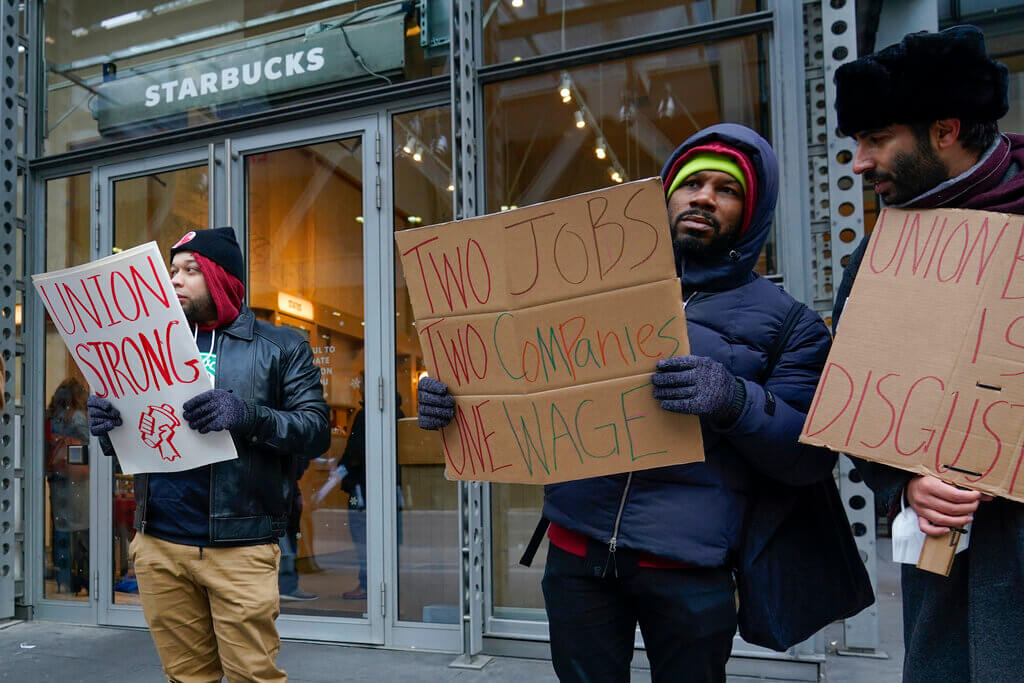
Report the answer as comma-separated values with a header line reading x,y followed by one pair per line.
x,y
217,244
924,78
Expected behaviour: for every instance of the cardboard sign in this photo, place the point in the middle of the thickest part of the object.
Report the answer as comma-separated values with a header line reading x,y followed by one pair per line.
x,y
927,369
125,328
546,323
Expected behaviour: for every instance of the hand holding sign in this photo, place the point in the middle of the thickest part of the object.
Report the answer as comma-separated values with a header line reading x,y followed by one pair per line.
x,y
214,411
695,385
435,406
103,416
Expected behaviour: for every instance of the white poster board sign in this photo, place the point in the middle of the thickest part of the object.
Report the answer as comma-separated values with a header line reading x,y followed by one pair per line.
x,y
125,328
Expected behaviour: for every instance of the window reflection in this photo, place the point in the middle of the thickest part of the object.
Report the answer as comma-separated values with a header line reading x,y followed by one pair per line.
x,y
65,436
427,504
159,207
92,46
305,227
518,29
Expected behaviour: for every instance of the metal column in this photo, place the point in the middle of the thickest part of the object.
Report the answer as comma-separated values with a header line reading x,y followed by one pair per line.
x,y
838,199
466,160
12,115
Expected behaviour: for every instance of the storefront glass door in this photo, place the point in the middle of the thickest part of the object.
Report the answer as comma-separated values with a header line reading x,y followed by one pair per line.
x,y
300,213
301,203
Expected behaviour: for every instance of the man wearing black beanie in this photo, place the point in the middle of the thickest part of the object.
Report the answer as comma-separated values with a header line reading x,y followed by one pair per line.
x,y
924,115
206,553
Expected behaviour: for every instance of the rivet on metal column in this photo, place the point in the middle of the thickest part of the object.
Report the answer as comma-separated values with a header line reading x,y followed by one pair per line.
x,y
465,38
846,227
10,481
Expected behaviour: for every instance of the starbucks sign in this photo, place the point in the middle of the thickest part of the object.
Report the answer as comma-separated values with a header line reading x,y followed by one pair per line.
x,y
272,70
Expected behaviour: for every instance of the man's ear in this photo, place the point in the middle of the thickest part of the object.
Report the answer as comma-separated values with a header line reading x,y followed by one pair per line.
x,y
944,133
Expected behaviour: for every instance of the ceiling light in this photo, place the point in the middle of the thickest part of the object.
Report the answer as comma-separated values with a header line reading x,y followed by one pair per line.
x,y
451,188
359,219
580,121
414,220
517,3
418,154
667,106
599,150
122,19
409,145
565,89
615,175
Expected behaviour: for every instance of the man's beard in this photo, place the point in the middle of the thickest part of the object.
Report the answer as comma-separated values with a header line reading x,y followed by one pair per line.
x,y
692,248
200,310
913,173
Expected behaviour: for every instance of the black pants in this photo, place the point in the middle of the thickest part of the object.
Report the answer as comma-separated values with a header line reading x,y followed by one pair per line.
x,y
687,617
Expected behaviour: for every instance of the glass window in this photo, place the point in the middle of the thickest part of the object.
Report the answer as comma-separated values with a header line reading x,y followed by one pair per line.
x,y
305,225
132,67
428,523
581,129
66,426
158,207
517,29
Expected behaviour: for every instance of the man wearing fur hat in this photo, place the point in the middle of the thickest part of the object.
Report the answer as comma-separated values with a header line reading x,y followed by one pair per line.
x,y
206,554
924,115
658,547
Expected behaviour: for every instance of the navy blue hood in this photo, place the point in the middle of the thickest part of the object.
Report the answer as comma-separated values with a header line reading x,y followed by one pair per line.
x,y
735,267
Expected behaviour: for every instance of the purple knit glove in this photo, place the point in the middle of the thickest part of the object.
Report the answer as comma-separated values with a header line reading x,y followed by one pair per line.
x,y
215,410
103,416
436,406
696,385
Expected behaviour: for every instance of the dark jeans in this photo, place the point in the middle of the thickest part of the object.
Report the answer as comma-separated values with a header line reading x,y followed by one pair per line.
x,y
687,617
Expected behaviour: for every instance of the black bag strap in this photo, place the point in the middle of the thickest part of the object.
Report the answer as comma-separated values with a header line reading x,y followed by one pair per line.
x,y
779,344
531,548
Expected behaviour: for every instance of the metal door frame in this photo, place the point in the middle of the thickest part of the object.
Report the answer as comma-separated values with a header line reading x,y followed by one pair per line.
x,y
380,508
101,488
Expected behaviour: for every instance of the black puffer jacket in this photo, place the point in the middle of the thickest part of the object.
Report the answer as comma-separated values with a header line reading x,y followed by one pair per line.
x,y
271,368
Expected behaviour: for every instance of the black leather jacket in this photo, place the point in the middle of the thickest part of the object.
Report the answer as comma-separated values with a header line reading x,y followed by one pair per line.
x,y
272,369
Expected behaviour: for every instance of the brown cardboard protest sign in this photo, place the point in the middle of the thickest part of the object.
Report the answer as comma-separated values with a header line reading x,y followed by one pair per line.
x,y
927,369
546,323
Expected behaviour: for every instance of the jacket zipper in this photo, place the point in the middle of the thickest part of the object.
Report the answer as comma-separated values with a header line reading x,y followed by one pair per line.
x,y
614,541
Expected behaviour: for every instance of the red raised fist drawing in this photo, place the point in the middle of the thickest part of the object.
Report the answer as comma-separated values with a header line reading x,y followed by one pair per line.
x,y
157,425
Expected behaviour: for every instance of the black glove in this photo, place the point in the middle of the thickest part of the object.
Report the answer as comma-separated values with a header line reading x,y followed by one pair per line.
x,y
698,385
215,410
436,407
103,416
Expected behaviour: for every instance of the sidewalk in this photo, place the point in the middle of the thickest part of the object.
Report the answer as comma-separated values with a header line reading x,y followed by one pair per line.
x,y
42,651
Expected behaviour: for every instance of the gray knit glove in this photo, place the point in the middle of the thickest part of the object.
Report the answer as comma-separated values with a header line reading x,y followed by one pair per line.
x,y
698,385
215,410
436,407
103,416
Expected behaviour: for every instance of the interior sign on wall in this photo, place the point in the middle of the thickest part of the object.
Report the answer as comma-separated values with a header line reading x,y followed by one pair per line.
x,y
286,67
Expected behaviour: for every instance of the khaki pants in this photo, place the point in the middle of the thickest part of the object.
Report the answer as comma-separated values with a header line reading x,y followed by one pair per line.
x,y
211,611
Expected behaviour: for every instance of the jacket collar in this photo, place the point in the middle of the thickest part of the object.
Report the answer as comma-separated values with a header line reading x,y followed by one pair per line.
x,y
243,326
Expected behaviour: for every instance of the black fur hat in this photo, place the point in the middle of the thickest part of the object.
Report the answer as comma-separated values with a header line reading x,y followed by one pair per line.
x,y
926,77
